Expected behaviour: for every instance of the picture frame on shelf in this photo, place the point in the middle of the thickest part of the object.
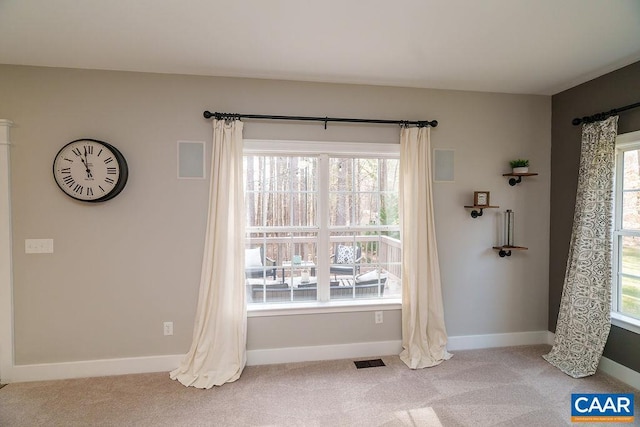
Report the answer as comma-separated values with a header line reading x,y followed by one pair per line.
x,y
481,198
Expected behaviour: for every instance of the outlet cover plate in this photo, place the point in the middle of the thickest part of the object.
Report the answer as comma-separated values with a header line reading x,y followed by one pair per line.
x,y
168,328
38,246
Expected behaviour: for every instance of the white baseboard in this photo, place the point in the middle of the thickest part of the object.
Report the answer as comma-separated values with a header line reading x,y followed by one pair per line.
x,y
134,365
90,368
323,352
471,342
620,372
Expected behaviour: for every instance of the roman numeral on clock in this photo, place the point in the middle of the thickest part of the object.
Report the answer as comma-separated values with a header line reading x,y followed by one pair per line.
x,y
109,181
77,151
108,160
111,171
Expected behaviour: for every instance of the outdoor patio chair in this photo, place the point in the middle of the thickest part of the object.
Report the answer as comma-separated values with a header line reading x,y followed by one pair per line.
x,y
253,264
345,261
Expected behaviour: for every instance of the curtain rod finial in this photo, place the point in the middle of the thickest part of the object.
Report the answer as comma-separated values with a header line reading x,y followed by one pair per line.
x,y
207,114
576,121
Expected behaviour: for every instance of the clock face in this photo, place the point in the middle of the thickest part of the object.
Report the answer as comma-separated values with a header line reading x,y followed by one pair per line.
x,y
90,170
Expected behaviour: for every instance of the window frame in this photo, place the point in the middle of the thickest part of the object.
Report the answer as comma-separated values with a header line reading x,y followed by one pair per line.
x,y
624,142
319,148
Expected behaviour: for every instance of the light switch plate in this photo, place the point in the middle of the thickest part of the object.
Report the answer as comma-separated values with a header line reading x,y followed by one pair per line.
x,y
38,246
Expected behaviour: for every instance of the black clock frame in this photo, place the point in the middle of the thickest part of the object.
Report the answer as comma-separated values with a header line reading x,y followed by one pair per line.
x,y
118,186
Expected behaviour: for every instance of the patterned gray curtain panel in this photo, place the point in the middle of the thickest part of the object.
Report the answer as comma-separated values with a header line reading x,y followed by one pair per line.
x,y
585,309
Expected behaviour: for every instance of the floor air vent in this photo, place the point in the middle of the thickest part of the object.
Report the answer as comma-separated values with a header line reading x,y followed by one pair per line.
x,y
369,363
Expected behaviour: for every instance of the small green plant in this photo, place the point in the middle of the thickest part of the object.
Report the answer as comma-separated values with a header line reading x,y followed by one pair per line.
x,y
519,163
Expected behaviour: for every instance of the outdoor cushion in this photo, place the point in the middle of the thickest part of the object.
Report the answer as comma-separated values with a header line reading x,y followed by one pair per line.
x,y
372,275
345,255
252,258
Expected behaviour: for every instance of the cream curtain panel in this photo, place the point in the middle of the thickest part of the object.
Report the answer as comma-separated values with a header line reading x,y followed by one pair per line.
x,y
218,350
424,337
584,319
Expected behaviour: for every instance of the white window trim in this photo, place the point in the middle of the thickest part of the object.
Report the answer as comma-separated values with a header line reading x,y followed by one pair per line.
x,y
318,307
265,146
624,141
300,147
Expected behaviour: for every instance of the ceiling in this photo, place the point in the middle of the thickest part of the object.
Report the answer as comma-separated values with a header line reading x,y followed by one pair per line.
x,y
512,46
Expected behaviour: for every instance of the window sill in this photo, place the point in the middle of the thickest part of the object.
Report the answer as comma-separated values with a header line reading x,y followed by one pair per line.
x,y
625,322
292,309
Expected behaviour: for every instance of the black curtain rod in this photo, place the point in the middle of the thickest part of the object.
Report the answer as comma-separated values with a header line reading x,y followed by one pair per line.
x,y
224,116
604,115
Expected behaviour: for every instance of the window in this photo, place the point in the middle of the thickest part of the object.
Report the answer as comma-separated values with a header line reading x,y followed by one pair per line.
x,y
626,244
322,224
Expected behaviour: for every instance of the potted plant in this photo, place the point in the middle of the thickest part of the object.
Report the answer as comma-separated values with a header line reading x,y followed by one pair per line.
x,y
519,165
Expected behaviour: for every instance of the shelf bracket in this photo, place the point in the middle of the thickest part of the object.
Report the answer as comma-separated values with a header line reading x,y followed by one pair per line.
x,y
504,253
513,181
475,213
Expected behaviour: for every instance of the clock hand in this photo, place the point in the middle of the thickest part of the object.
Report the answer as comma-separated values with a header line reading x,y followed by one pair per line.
x,y
86,163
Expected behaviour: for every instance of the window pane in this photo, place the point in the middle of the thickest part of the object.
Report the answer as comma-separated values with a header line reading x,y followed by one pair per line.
x,y
630,269
631,177
366,174
630,255
364,265
341,174
341,208
631,210
280,191
630,295
389,209
389,175
288,272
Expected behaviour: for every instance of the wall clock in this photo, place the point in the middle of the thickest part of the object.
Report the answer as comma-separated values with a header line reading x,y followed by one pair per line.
x,y
90,170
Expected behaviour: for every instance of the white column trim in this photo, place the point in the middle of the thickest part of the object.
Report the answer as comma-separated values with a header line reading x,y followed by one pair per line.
x,y
6,266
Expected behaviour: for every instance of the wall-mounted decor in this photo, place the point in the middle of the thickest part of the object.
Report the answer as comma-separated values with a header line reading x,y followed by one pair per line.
x,y
443,166
480,202
481,198
90,170
505,250
519,168
191,160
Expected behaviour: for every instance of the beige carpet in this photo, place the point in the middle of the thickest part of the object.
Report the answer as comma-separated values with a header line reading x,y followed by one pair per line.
x,y
504,386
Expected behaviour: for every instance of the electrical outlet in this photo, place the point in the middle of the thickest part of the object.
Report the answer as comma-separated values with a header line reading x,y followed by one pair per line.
x,y
168,328
38,246
378,317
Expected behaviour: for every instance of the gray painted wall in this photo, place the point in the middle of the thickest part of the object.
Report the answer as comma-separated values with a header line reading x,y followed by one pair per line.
x,y
123,267
616,89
